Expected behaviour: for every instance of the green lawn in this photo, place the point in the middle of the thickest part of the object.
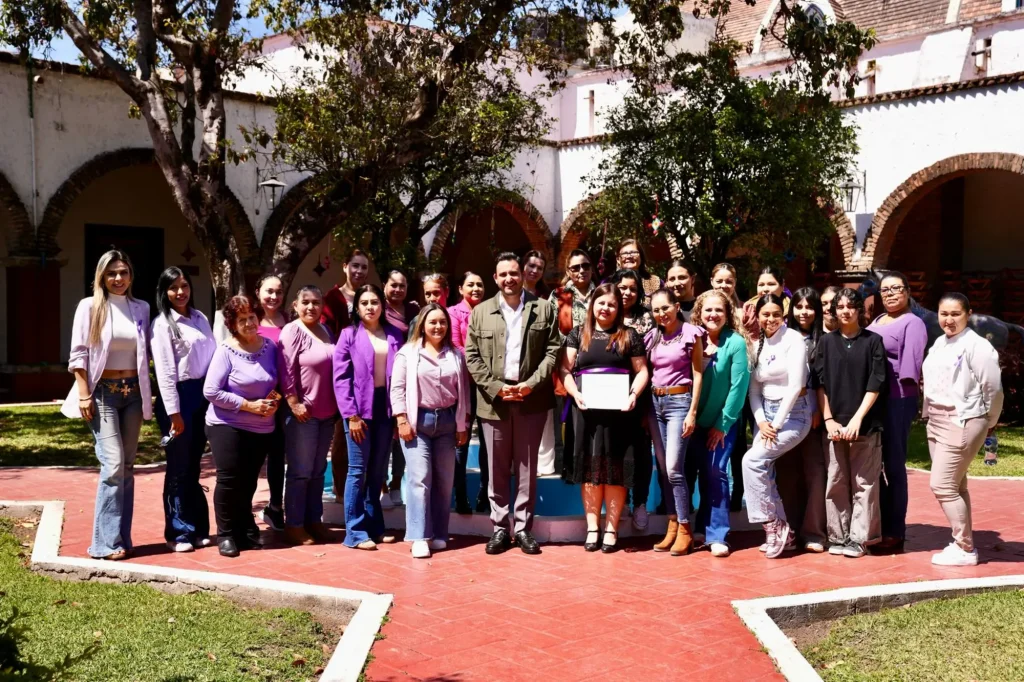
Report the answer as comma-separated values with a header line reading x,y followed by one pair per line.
x,y
946,640
42,436
148,636
1011,452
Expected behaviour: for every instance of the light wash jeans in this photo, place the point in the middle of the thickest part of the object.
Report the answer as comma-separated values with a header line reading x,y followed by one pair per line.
x,y
306,446
430,473
116,424
763,501
367,468
668,412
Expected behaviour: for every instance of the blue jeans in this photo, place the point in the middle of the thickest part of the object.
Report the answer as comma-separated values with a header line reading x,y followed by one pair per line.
x,y
186,513
430,472
713,476
894,497
367,467
763,502
667,415
306,446
116,424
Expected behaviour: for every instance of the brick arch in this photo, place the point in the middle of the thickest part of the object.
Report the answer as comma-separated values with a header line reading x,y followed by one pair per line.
x,y
107,162
847,235
522,211
890,214
19,241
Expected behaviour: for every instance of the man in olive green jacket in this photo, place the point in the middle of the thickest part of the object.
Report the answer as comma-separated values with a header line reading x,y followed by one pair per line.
x,y
511,345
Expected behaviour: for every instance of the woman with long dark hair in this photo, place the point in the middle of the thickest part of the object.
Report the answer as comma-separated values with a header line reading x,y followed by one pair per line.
x,y
183,346
270,310
630,256
769,281
241,387
778,390
363,360
600,446
681,279
304,365
430,401
110,360
803,472
534,265
905,337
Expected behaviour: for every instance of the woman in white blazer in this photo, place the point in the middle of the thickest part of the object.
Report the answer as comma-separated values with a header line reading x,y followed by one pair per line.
x,y
110,361
963,397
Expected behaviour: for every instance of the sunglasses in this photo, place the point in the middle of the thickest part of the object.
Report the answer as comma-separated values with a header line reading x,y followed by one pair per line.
x,y
581,267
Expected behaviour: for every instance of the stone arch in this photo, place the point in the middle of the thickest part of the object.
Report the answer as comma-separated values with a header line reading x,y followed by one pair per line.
x,y
890,214
97,167
522,211
19,241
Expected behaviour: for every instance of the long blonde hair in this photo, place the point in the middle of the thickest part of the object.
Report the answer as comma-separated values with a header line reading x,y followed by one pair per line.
x,y
100,304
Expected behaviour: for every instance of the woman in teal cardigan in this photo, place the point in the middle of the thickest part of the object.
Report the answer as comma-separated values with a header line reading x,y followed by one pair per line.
x,y
726,377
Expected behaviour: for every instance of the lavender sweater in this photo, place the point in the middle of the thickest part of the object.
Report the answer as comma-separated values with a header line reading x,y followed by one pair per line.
x,y
235,376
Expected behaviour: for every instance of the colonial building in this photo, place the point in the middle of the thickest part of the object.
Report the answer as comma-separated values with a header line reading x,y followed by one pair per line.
x,y
938,189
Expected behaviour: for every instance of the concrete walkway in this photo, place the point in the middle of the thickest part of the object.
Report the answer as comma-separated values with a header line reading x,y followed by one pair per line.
x,y
566,614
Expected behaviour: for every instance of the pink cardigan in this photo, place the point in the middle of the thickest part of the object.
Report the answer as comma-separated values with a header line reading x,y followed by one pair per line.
x,y
460,314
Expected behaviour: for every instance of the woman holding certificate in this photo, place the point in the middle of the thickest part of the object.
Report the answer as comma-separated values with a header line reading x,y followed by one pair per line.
x,y
604,369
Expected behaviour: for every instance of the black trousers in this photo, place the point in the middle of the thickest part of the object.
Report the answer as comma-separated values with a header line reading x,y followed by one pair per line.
x,y
239,456
275,458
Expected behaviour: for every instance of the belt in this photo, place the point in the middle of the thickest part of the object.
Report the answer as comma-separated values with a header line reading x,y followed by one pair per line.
x,y
125,386
437,410
670,390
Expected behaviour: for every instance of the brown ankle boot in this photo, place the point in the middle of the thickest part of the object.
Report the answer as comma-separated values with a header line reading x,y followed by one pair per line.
x,y
683,541
296,535
670,535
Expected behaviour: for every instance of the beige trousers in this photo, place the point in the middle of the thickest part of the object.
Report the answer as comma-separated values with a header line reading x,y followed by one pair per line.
x,y
851,497
952,448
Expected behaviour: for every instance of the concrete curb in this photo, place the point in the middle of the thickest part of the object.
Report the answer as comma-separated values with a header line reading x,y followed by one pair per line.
x,y
350,654
764,617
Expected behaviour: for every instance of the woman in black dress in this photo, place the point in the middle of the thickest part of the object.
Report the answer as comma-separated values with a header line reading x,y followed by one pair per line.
x,y
600,444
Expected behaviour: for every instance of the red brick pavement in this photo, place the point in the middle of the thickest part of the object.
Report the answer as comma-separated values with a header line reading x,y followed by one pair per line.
x,y
563,615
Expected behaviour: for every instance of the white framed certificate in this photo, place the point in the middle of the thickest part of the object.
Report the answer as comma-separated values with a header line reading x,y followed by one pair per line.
x,y
605,391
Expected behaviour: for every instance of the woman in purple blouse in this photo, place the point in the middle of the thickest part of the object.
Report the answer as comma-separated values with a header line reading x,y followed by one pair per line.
x,y
240,422
304,365
905,337
430,401
363,361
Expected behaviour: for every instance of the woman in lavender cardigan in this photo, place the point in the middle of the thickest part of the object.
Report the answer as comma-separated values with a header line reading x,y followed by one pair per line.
x,y
363,361
430,401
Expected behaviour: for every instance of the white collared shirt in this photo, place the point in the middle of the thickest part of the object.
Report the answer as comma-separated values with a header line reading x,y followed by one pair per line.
x,y
513,336
183,358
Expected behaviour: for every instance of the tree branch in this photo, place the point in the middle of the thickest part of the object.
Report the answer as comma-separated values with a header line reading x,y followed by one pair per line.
x,y
100,58
145,40
166,13
188,120
222,16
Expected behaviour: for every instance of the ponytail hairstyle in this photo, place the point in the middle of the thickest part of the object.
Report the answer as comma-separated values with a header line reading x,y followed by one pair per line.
x,y
257,305
810,296
658,331
728,267
761,303
957,297
774,272
163,303
305,289
619,337
100,302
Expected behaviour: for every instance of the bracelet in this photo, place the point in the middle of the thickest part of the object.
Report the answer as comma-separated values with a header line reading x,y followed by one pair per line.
x,y
82,400
829,419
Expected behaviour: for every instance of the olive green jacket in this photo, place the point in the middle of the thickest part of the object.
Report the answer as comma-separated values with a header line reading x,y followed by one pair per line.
x,y
485,353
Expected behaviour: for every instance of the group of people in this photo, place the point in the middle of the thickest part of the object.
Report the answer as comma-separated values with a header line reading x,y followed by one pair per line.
x,y
368,377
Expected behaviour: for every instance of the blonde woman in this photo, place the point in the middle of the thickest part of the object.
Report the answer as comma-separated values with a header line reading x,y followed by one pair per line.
x,y
110,361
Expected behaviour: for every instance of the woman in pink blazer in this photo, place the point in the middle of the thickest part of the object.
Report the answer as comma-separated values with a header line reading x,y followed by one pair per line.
x,y
110,361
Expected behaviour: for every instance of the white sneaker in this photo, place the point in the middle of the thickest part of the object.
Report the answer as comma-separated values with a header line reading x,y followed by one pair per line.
x,y
954,555
437,544
385,502
719,549
640,517
420,549
205,542
396,497
815,547
180,546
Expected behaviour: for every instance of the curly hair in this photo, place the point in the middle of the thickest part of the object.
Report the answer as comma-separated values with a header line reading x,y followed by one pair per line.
x,y
234,309
733,316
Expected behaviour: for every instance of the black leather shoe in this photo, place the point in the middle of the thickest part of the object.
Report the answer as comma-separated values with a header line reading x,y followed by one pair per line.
x,y
596,544
228,547
526,542
499,542
252,540
608,549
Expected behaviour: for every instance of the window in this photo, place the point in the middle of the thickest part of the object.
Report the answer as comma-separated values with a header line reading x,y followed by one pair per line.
x,y
816,16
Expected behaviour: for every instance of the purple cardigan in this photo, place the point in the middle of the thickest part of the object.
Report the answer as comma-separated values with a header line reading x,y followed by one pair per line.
x,y
353,369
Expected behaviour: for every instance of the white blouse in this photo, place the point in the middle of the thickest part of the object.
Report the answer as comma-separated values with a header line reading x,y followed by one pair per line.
x,y
963,372
780,373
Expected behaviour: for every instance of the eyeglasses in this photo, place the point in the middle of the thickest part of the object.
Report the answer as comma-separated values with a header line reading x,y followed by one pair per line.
x,y
580,267
895,289
629,254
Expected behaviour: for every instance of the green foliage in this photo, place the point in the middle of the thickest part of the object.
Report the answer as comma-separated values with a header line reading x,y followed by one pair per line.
x,y
134,632
748,168
15,666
